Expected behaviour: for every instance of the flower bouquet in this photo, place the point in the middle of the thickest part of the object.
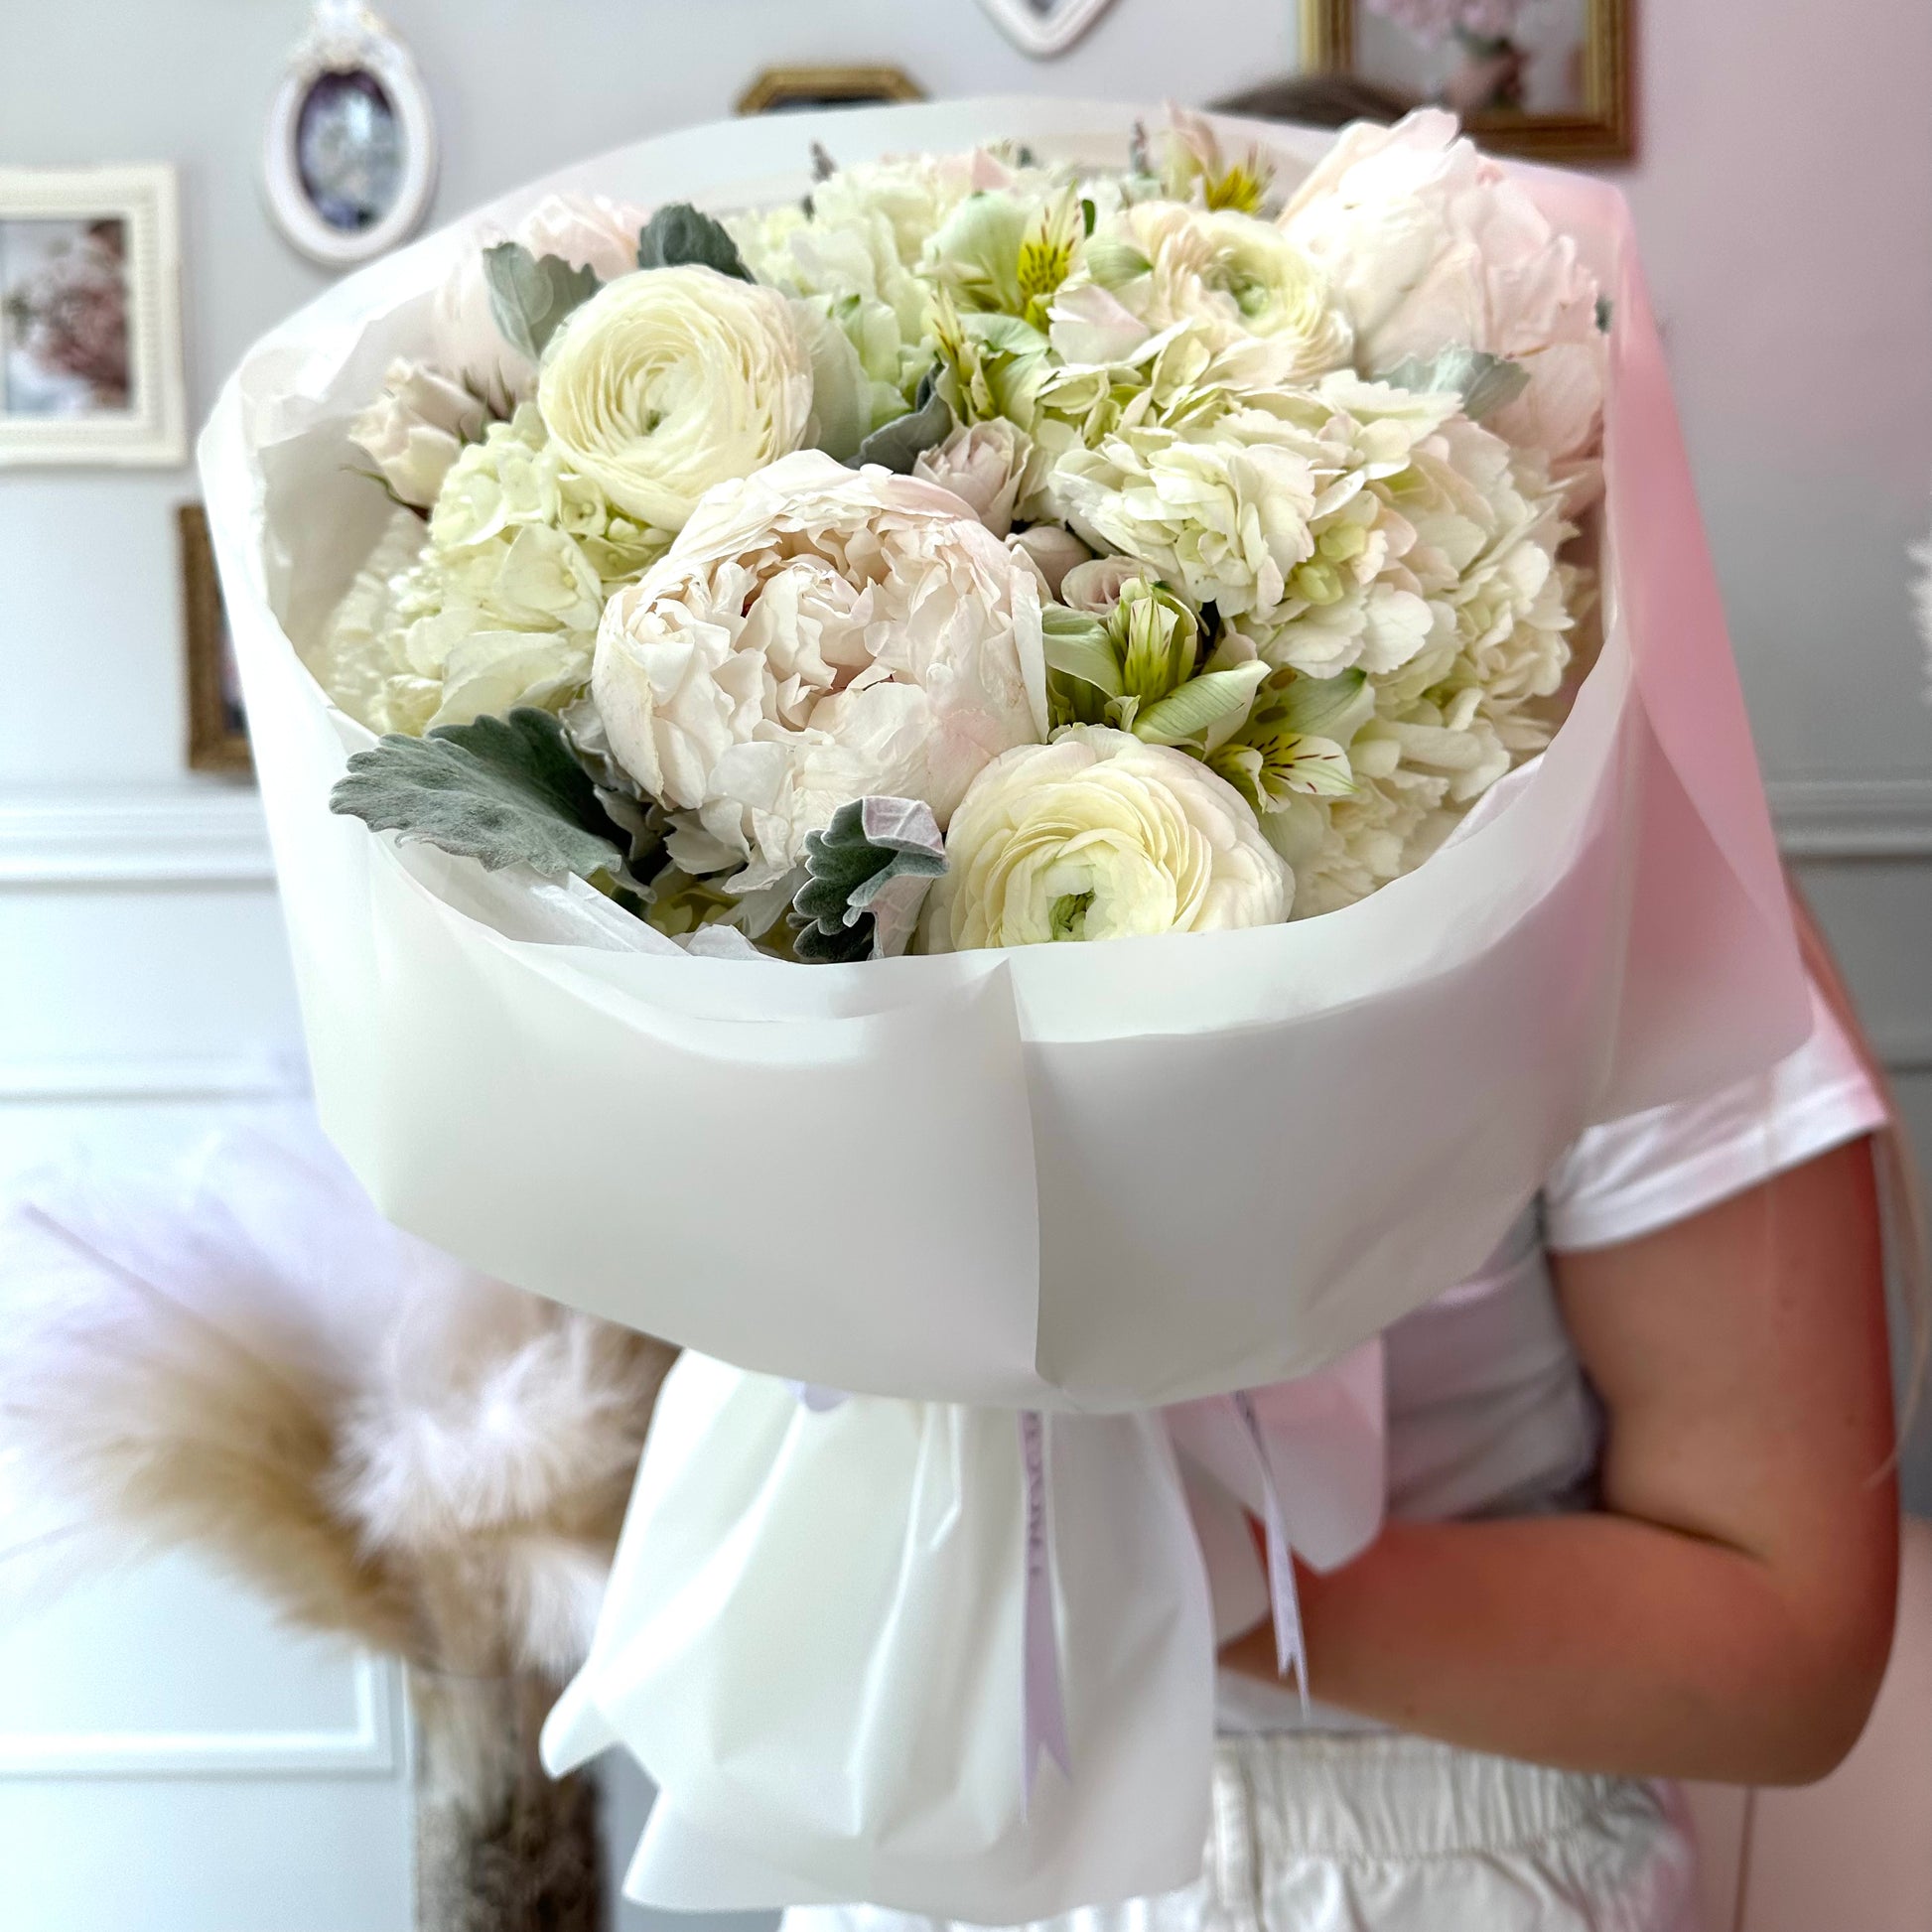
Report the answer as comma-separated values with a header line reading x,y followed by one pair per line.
x,y
763,614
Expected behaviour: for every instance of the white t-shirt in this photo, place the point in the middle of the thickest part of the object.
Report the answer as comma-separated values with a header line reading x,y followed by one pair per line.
x,y
1489,1413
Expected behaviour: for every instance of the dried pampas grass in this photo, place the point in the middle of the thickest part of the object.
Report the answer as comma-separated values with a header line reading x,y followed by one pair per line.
x,y
240,1357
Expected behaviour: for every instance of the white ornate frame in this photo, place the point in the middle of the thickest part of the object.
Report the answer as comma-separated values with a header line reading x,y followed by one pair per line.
x,y
1045,35
153,429
347,37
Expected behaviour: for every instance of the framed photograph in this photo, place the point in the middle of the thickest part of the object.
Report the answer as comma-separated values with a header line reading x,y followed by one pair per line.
x,y
91,317
348,162
217,727
787,90
1551,78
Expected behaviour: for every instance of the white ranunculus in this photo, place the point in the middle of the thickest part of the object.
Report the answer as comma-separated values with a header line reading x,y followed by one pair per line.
x,y
985,465
1430,246
1242,278
672,380
586,231
416,429
1098,836
814,635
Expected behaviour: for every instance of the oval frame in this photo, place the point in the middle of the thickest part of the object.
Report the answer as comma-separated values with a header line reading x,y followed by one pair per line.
x,y
377,52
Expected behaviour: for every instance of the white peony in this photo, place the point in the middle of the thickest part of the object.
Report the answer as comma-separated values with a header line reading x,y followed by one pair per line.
x,y
586,231
1431,246
416,429
671,379
1098,836
985,465
814,635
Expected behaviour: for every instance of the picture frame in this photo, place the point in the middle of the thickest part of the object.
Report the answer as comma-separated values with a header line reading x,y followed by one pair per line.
x,y
90,353
1575,84
788,90
350,157
217,726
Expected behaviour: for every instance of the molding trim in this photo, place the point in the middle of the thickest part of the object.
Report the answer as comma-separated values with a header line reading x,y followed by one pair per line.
x,y
209,834
152,1078
214,834
371,1746
1853,818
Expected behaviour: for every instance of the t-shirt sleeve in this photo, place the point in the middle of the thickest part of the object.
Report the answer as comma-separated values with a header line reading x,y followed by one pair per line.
x,y
1631,1177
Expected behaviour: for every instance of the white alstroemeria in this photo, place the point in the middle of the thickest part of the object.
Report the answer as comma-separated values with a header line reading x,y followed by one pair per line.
x,y
1430,246
817,634
669,380
1099,835
416,429
584,230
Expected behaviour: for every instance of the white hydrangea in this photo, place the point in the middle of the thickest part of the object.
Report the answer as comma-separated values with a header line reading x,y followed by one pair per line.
x,y
500,606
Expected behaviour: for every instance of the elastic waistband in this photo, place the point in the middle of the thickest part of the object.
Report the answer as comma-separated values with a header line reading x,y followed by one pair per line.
x,y
1357,1796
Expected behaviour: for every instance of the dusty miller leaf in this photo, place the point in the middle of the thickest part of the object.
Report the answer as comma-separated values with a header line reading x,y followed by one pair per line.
x,y
867,874
678,235
901,442
504,791
1486,382
530,295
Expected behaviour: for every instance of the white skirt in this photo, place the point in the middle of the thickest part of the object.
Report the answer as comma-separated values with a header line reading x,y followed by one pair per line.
x,y
1376,1833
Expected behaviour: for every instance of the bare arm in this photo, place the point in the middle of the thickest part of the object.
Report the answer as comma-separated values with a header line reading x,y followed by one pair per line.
x,y
1727,1614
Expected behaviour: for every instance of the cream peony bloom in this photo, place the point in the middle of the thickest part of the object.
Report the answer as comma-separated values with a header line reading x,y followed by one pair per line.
x,y
586,231
816,634
1098,836
671,379
1430,246
416,429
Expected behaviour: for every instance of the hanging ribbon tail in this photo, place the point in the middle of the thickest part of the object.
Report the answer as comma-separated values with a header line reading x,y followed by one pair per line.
x,y
1043,1703
1291,1646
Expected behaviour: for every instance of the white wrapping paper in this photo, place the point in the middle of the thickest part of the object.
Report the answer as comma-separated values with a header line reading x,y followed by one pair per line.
x,y
1615,940
813,1638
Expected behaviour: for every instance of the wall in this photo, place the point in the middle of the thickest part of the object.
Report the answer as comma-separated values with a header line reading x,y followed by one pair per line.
x,y
142,983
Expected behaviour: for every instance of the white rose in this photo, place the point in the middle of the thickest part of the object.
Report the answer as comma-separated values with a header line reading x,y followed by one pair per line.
x,y
1095,587
1052,552
416,429
586,231
1431,246
672,380
985,464
1098,836
814,635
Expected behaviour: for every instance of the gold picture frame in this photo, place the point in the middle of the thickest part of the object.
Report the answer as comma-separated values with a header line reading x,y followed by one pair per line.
x,y
217,728
786,91
1601,127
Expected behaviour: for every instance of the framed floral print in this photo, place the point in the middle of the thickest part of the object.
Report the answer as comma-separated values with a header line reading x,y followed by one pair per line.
x,y
1550,78
91,368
